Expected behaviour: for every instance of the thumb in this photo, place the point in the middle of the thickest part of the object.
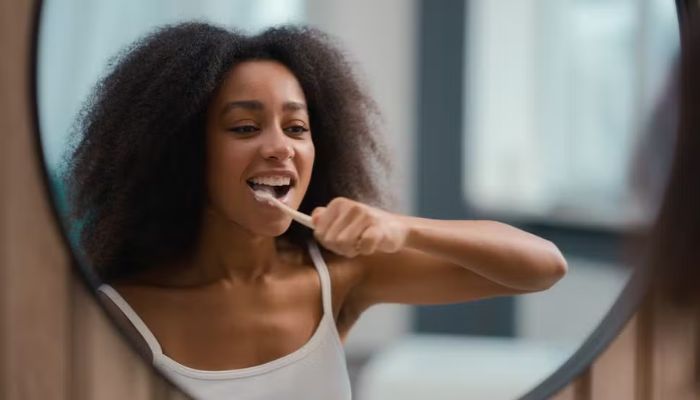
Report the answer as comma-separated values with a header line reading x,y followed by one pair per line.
x,y
316,214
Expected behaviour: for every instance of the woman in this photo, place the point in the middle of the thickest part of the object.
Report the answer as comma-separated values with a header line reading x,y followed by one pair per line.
x,y
224,293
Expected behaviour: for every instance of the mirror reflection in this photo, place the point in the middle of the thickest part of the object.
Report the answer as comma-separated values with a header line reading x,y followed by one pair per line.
x,y
165,127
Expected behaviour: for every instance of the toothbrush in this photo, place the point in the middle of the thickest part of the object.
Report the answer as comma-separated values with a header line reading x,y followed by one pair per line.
x,y
296,215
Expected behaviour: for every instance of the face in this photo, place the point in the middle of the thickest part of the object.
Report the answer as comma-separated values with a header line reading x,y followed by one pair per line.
x,y
258,138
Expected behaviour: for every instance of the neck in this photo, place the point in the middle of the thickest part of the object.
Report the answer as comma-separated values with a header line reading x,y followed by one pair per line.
x,y
228,251
225,252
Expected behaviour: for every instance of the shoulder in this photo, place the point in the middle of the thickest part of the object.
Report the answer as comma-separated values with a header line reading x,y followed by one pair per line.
x,y
120,318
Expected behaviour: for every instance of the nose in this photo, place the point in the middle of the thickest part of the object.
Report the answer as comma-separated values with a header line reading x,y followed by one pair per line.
x,y
276,145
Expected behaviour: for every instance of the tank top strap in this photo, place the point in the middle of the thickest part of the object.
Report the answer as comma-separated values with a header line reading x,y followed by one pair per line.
x,y
322,269
131,315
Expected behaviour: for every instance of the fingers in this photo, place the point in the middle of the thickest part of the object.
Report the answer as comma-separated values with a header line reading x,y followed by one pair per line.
x,y
350,228
369,240
340,225
324,217
316,216
344,221
348,239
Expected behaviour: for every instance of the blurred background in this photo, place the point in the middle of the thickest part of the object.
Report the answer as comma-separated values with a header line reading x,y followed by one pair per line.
x,y
528,112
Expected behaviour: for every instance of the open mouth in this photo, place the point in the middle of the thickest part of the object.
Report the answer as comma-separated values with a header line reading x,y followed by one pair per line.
x,y
279,190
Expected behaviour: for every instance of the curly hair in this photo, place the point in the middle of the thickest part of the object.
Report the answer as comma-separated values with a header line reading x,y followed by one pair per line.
x,y
135,175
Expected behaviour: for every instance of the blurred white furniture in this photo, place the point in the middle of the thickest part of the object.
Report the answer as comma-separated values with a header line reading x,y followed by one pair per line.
x,y
443,367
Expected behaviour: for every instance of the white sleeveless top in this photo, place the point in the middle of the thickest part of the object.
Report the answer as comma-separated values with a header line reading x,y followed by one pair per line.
x,y
316,371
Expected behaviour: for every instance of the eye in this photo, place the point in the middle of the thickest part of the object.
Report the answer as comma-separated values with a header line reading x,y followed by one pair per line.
x,y
296,129
244,129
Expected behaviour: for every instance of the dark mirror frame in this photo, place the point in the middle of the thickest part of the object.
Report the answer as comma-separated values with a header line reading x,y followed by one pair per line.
x,y
441,26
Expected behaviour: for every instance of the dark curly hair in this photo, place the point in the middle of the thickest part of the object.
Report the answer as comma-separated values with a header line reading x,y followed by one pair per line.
x,y
135,172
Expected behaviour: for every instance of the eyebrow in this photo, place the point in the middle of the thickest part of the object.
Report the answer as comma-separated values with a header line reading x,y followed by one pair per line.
x,y
256,105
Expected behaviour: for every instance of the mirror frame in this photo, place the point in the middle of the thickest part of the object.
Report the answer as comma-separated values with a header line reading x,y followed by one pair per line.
x,y
625,306
89,280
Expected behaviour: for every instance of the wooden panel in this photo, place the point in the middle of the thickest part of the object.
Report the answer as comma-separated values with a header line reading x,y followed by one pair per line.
x,y
4,173
34,285
104,366
673,352
55,342
568,393
644,361
580,389
653,358
102,361
613,373
582,386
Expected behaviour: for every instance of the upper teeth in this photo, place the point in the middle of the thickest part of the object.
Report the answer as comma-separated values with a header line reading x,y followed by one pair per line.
x,y
272,180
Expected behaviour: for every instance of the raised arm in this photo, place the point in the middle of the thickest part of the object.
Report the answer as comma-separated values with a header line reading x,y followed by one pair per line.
x,y
414,260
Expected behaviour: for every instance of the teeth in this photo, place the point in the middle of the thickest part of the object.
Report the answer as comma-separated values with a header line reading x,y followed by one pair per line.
x,y
272,180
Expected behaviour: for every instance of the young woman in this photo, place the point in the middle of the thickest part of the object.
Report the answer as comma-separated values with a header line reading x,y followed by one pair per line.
x,y
223,292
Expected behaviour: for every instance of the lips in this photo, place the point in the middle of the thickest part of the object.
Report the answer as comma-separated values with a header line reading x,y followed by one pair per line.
x,y
275,182
276,190
283,195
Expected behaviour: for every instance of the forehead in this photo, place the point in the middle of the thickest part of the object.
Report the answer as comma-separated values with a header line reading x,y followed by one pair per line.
x,y
260,80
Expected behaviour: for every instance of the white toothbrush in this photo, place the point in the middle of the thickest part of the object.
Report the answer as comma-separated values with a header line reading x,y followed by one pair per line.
x,y
272,200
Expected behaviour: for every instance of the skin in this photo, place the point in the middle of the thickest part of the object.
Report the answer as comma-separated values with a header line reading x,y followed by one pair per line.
x,y
245,297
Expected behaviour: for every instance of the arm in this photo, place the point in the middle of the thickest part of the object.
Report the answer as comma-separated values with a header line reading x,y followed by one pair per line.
x,y
496,251
423,261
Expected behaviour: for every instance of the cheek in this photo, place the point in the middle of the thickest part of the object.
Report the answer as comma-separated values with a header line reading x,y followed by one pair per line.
x,y
306,156
225,165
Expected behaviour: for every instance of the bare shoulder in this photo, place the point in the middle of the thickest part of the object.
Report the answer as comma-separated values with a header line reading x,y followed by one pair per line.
x,y
127,327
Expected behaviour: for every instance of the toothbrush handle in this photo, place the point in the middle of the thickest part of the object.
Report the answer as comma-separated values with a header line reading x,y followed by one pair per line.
x,y
301,218
296,215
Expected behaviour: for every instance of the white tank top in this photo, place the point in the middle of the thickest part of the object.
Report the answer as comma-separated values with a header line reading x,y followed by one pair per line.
x,y
316,371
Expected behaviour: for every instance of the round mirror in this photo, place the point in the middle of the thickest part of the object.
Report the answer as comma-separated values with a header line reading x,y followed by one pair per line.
x,y
526,112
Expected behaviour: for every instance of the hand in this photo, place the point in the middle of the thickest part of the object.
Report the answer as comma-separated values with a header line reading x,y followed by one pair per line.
x,y
349,228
